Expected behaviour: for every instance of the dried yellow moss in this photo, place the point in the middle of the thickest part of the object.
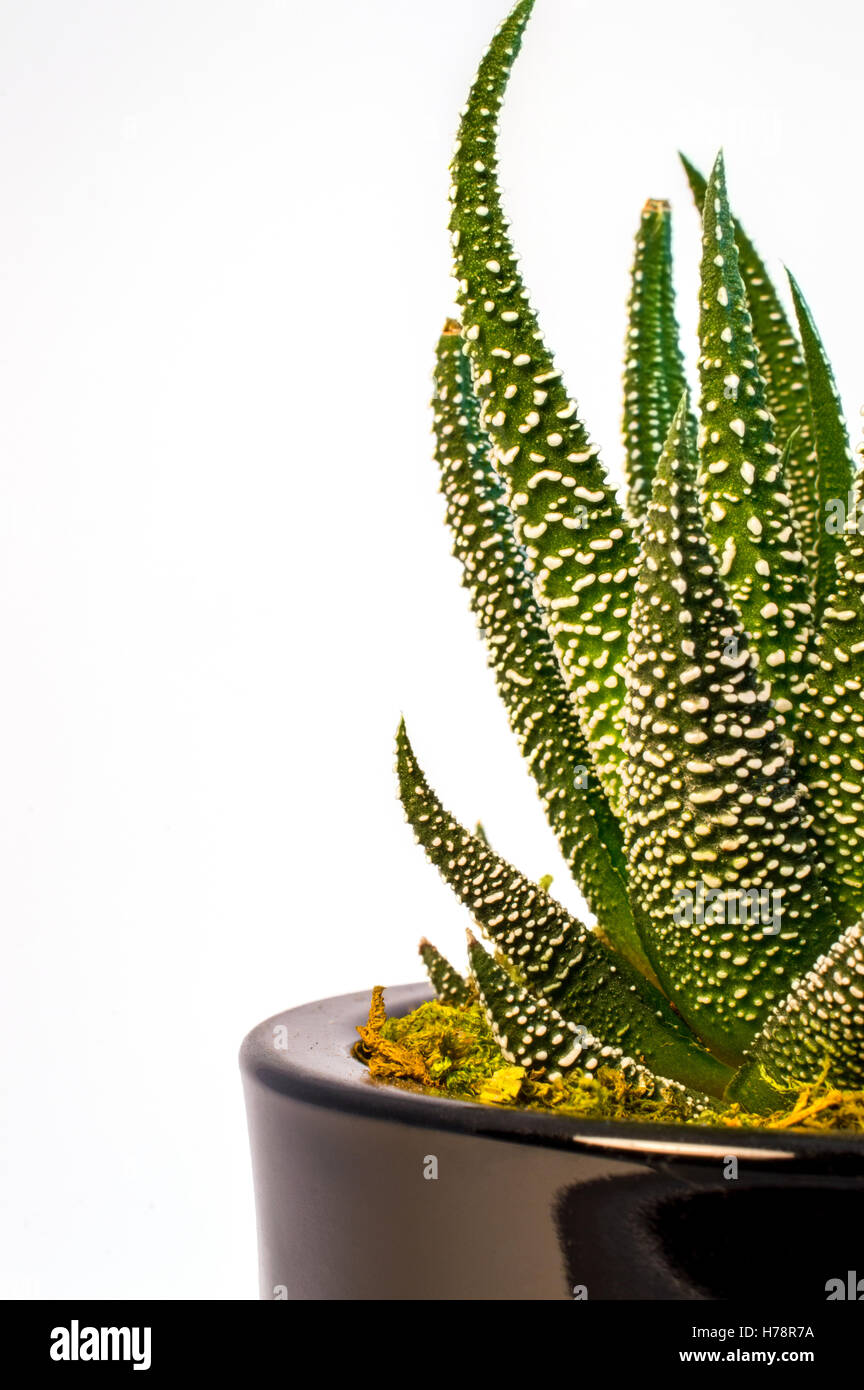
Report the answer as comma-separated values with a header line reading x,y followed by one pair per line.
x,y
389,1059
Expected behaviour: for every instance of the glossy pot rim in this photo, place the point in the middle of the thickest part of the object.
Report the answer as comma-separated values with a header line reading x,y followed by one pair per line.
x,y
305,1053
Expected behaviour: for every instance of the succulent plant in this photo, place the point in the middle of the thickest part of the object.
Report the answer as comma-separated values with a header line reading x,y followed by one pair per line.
x,y
683,673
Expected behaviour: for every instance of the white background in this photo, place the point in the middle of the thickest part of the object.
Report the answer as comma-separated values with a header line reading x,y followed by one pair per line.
x,y
223,572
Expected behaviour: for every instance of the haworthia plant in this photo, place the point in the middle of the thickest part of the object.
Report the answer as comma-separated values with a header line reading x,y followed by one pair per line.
x,y
683,673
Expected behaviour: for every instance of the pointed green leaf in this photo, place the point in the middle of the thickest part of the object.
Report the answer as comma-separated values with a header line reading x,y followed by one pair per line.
x,y
830,735
541,710
554,953
781,365
714,808
654,367
817,1032
533,1035
747,512
568,519
833,466
448,984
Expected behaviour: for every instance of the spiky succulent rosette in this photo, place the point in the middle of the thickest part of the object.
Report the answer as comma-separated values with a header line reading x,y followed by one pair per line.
x,y
684,676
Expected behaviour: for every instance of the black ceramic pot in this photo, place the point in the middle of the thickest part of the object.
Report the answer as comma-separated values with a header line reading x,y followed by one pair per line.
x,y
365,1191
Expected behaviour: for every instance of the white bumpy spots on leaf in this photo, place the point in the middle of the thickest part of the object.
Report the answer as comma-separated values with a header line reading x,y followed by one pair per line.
x,y
448,984
781,364
654,368
815,1031
532,1034
541,710
576,540
719,724
831,464
831,732
747,511
554,953
714,805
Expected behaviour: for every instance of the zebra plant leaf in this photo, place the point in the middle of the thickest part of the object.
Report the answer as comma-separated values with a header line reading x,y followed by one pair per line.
x,y
539,706
714,805
782,367
718,833
531,1034
654,368
552,951
448,984
576,540
815,1030
747,512
834,468
831,733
